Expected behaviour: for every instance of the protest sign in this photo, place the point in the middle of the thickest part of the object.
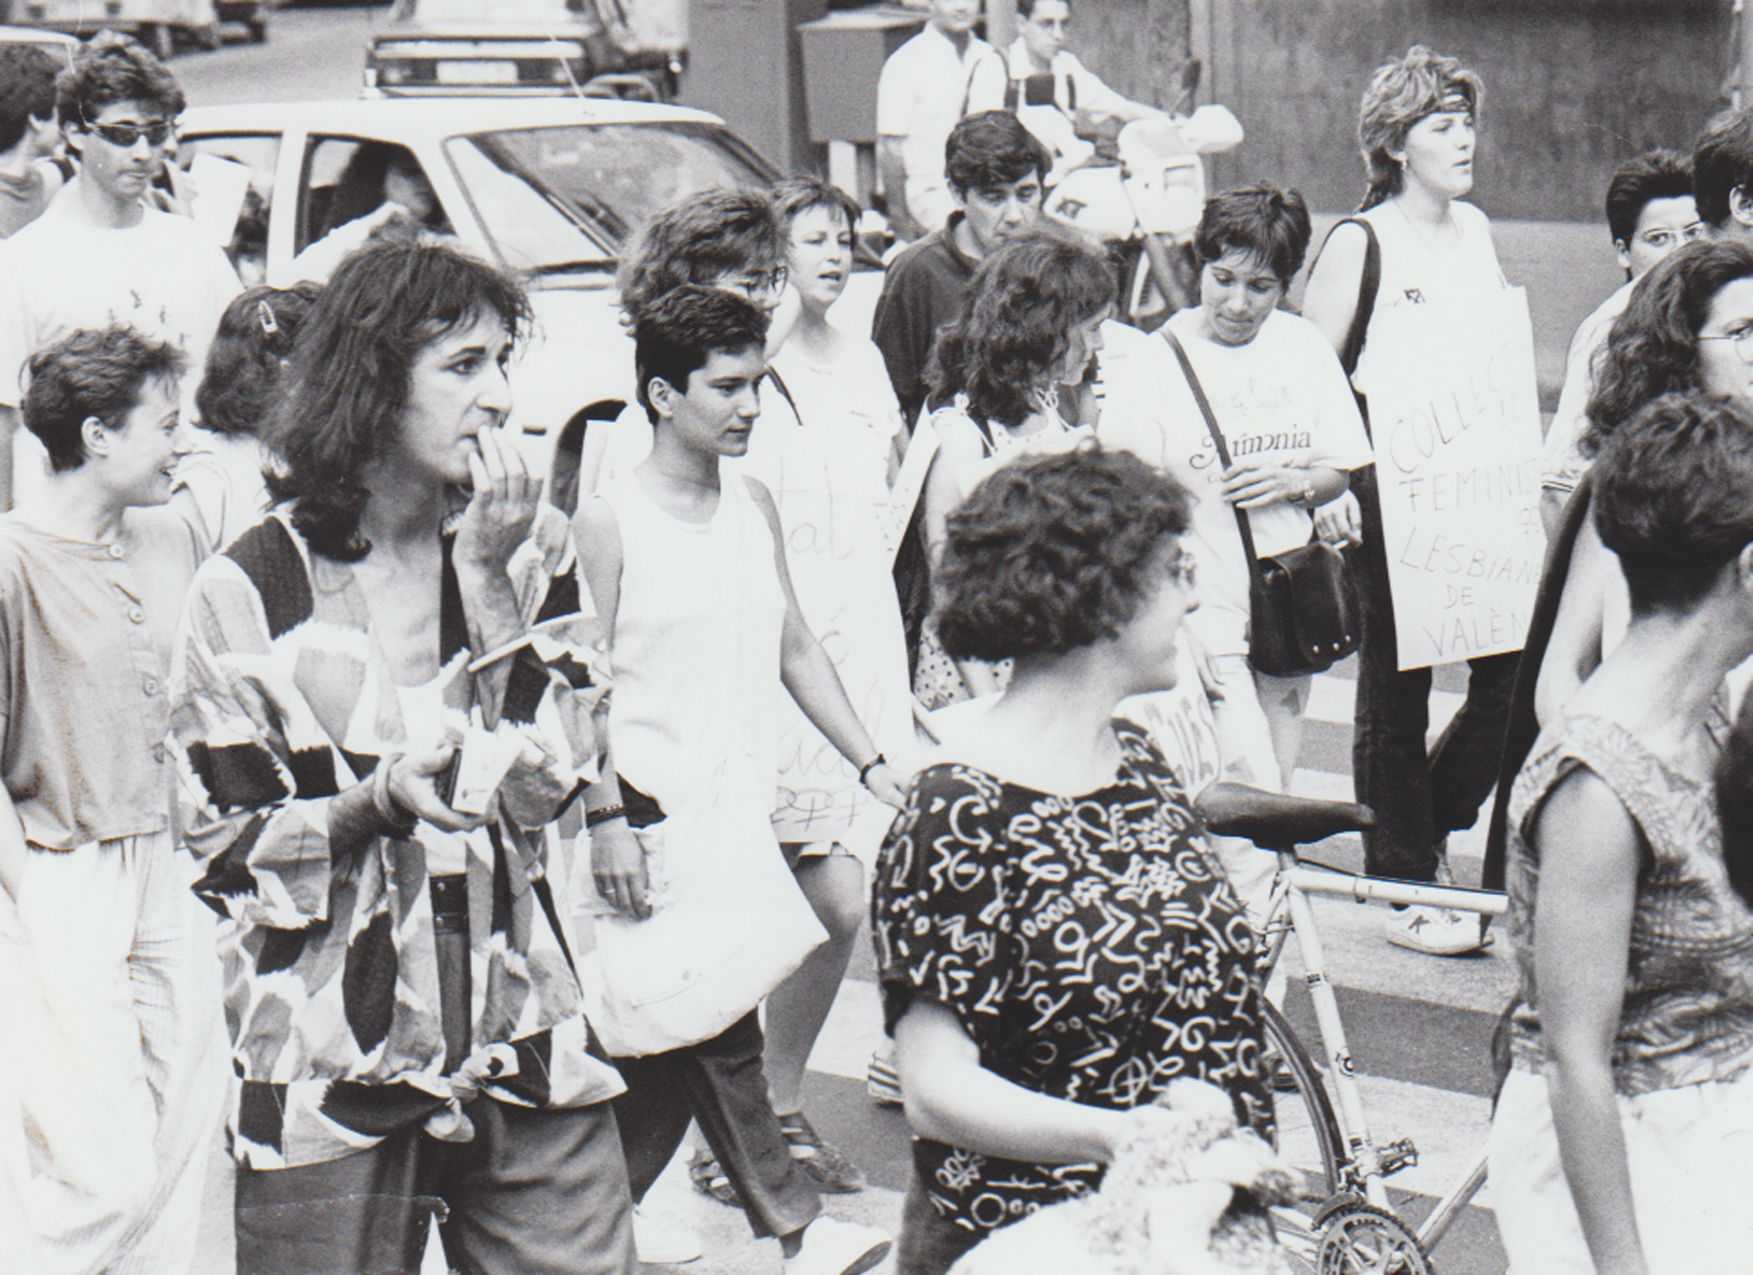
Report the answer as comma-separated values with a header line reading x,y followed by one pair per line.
x,y
1455,417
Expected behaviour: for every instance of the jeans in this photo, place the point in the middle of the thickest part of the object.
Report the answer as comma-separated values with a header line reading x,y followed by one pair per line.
x,y
929,1245
1419,797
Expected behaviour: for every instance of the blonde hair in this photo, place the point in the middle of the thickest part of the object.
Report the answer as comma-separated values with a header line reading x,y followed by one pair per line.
x,y
1399,95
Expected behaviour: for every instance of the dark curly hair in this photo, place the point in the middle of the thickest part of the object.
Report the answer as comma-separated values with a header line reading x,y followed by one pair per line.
x,y
241,380
1655,174
1025,299
678,333
1653,347
347,387
90,372
113,68
27,90
706,235
1052,553
1263,221
1670,497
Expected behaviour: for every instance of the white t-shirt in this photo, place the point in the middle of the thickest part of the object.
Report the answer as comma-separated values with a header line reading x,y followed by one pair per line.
x,y
925,87
1281,395
1075,88
58,275
1561,464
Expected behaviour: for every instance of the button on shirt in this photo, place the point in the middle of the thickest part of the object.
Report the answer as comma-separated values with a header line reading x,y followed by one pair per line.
x,y
925,87
85,642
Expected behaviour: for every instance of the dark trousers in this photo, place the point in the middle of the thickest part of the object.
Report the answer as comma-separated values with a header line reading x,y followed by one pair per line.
x,y
1419,797
535,1192
929,1245
720,1083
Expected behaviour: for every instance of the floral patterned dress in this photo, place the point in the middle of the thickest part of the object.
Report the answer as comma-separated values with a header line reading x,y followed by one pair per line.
x,y
1090,945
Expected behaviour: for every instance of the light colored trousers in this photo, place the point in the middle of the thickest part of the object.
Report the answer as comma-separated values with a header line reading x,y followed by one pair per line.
x,y
1259,724
113,1077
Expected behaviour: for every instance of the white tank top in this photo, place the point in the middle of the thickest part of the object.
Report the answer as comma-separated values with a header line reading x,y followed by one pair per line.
x,y
696,648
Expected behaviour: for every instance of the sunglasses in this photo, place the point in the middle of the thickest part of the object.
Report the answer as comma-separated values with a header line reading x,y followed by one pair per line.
x,y
127,136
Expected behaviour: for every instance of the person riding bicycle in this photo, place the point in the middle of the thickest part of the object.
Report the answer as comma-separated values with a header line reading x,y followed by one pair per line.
x,y
1048,87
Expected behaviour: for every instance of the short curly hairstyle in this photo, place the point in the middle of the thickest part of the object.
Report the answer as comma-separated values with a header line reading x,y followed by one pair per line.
x,y
1263,221
1670,497
1652,348
708,234
27,90
241,380
91,372
113,68
1025,299
1052,553
1400,94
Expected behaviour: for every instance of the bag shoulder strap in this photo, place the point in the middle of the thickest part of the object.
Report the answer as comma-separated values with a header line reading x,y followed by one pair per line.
x,y
1217,438
784,391
1367,286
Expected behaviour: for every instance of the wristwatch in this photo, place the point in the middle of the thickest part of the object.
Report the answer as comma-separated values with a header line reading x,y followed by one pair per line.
x,y
1304,495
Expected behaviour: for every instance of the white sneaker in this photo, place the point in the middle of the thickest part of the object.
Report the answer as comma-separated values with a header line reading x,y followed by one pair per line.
x,y
833,1247
1434,931
663,1241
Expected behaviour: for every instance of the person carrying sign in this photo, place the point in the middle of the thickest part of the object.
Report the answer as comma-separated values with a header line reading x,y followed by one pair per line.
x,y
1411,294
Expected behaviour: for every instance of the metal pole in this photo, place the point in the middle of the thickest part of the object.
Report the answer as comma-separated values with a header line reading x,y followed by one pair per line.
x,y
1000,23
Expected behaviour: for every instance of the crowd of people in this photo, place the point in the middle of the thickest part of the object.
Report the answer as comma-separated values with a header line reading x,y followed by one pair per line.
x,y
456,835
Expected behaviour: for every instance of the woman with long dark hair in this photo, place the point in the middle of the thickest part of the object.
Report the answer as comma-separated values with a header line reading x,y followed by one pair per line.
x,y
1033,324
1622,1139
383,694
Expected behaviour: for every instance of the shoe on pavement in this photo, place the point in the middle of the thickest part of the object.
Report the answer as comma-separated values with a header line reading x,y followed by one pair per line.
x,y
1434,931
662,1241
826,1164
833,1247
709,1179
881,1080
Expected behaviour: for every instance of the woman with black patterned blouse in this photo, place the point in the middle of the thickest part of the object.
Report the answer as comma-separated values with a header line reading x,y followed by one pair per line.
x,y
1056,942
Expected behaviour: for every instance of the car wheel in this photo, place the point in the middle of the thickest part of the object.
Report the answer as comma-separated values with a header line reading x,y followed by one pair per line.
x,y
258,28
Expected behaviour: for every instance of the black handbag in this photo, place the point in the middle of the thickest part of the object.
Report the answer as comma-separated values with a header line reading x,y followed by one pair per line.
x,y
1300,617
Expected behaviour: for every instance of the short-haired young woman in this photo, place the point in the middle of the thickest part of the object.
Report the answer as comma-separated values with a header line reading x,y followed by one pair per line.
x,y
1623,1137
1033,324
1039,995
406,1023
1416,131
110,994
1293,432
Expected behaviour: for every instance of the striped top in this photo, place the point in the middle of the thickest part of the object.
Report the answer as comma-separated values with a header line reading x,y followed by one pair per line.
x,y
1687,1017
283,701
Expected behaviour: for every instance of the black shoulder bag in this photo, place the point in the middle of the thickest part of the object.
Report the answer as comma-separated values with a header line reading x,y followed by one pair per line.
x,y
1300,617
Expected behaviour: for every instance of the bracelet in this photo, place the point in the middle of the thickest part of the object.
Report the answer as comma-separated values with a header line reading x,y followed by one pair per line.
x,y
397,822
872,764
605,813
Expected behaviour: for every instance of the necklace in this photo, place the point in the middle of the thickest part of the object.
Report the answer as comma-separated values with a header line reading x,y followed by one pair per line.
x,y
1045,399
1431,242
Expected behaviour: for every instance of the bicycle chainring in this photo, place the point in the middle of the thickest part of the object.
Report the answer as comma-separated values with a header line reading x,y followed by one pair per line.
x,y
1360,1239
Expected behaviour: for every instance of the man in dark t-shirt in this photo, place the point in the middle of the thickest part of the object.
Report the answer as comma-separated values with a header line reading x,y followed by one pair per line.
x,y
995,169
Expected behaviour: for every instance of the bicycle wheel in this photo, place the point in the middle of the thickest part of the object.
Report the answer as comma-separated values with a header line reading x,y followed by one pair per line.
x,y
1308,1134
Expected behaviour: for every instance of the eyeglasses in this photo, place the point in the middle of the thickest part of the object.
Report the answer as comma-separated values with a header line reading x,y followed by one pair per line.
x,y
1741,339
127,136
1663,239
757,282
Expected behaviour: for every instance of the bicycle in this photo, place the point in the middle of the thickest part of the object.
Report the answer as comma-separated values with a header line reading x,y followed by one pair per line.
x,y
1353,1228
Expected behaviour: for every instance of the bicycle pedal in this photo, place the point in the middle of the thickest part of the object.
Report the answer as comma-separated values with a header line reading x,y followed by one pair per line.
x,y
1398,1154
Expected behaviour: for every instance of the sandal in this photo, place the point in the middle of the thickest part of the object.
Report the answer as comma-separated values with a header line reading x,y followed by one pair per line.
x,y
708,1179
826,1164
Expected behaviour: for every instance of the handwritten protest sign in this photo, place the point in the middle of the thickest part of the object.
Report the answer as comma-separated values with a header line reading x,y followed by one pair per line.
x,y
1455,417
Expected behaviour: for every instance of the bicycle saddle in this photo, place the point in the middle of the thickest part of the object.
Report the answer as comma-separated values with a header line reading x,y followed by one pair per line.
x,y
1274,820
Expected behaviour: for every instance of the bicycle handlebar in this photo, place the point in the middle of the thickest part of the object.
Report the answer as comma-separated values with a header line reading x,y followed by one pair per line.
x,y
1274,820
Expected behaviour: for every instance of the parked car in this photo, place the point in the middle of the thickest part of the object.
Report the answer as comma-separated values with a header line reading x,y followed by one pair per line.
x,y
158,24
551,188
517,47
56,44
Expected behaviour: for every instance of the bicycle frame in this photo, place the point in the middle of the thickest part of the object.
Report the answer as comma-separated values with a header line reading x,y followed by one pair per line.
x,y
1290,891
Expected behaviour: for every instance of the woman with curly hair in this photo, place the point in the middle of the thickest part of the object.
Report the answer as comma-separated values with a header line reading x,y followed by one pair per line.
x,y
220,484
383,692
1039,997
1622,1139
1033,324
1435,262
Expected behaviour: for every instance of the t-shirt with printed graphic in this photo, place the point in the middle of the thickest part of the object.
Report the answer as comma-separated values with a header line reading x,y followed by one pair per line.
x,y
1282,395
1090,945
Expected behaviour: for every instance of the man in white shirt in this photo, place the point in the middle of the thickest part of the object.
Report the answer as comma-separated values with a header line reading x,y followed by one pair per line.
x,y
1650,212
930,82
100,255
1048,87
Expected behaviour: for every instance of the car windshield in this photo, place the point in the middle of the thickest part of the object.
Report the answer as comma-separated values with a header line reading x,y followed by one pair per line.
x,y
559,200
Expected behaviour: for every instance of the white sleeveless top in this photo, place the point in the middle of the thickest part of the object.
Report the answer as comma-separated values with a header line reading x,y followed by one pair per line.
x,y
696,650
1414,274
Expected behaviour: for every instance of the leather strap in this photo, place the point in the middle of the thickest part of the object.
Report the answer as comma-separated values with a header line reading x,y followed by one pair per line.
x,y
1367,286
1217,438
